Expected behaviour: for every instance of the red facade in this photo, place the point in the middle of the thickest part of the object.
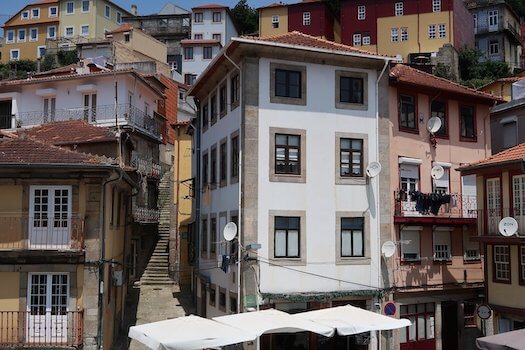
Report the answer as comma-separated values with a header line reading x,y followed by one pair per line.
x,y
321,19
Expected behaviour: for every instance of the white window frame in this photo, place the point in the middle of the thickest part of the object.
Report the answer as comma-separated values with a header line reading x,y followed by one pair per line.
x,y
31,32
55,32
493,47
471,251
398,8
82,30
475,18
8,32
442,30
361,12
107,11
50,13
72,32
24,15
404,33
501,263
442,244
49,293
38,55
493,20
436,5
18,35
366,40
394,35
11,54
410,238
356,39
67,8
88,2
521,251
306,19
518,195
431,31
119,18
275,20
38,12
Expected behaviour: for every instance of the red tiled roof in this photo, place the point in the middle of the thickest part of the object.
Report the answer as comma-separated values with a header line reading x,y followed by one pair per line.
x,y
275,4
69,69
516,153
42,2
123,28
209,6
200,42
25,150
408,75
70,132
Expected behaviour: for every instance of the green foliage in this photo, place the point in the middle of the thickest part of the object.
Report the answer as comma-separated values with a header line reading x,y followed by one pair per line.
x,y
518,6
17,69
335,7
475,72
443,71
48,62
246,18
67,57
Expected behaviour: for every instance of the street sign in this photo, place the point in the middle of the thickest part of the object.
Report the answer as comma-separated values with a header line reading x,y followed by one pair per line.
x,y
484,311
390,309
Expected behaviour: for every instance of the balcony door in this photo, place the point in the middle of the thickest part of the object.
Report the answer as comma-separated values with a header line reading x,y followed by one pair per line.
x,y
518,199
6,117
47,305
90,107
49,109
50,217
493,204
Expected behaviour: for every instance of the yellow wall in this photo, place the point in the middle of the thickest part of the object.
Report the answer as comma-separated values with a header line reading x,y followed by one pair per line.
x,y
265,21
9,291
418,40
499,88
144,44
502,294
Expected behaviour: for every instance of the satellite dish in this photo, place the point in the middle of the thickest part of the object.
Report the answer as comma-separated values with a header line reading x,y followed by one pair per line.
x,y
437,172
508,226
388,249
230,231
434,124
373,169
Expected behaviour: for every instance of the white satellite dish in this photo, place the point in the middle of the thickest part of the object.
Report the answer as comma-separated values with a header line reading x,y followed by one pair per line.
x,y
434,124
388,249
508,226
437,172
373,169
230,231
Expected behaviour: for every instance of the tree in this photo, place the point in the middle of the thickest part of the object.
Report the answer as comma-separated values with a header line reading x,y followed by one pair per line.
x,y
67,57
246,18
476,72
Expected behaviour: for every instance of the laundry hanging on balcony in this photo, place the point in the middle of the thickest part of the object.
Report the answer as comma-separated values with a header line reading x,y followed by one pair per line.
x,y
429,202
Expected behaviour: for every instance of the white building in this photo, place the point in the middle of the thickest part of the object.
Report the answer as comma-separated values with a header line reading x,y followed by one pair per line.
x,y
286,135
212,27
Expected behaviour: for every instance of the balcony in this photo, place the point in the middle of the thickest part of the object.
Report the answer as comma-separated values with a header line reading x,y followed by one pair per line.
x,y
145,167
34,329
435,208
507,27
107,115
488,224
146,216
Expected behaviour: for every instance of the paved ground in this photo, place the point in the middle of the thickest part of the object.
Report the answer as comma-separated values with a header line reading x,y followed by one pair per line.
x,y
155,303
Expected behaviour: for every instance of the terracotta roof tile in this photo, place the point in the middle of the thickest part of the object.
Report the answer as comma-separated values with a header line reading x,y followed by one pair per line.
x,y
42,2
70,132
123,28
515,153
275,4
209,6
405,74
200,42
69,69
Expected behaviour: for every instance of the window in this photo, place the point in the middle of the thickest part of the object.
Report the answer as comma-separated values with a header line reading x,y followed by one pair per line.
x,y
233,304
287,83
518,195
204,236
205,171
352,238
217,37
205,116
361,12
119,18
436,5
493,20
493,47
213,232
21,35
501,256
213,109
127,38
410,244
398,9
213,167
234,164
35,13
366,39
14,55
441,242
85,6
287,154
198,17
234,97
493,189
431,31
438,109
84,30
470,248
394,35
33,34
40,51
468,123
306,18
351,157
213,294
422,320
442,31
207,52
223,169
286,239
222,299
197,36
25,15
10,36
522,263
188,53
47,299
53,11
222,99
404,34
442,184
217,17
70,7
50,208
275,21
49,109
51,32
475,17
189,79
69,31
407,112
107,11
357,39
409,177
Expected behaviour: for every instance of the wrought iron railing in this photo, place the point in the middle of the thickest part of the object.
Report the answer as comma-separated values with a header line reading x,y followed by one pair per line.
x,y
41,233
108,115
435,204
41,329
145,167
6,121
489,220
146,215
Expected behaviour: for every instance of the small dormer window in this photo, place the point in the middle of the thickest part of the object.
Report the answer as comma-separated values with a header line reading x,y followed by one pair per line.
x,y
25,15
35,13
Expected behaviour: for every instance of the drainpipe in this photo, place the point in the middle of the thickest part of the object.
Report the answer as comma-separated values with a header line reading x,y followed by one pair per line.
x,y
198,194
100,329
177,272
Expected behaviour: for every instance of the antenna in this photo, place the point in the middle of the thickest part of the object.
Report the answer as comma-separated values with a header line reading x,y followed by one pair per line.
x,y
230,231
434,124
373,169
437,172
508,226
388,249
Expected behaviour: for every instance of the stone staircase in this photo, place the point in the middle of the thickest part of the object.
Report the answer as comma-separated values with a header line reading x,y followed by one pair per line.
x,y
157,272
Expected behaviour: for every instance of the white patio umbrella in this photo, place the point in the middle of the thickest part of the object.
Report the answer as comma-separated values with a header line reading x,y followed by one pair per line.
x,y
273,321
350,320
188,333
514,340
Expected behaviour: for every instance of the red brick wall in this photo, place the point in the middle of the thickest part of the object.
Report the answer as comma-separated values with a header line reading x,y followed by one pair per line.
x,y
321,19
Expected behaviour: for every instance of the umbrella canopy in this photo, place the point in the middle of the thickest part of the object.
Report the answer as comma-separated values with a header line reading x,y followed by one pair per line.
x,y
188,333
350,320
503,341
273,321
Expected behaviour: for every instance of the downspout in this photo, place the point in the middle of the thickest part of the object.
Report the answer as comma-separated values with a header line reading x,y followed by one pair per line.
x,y
198,194
239,220
177,272
100,329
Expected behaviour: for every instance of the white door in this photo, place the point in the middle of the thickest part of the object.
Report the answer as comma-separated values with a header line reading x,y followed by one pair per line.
x,y
469,203
47,304
90,107
518,199
493,20
49,109
493,205
50,217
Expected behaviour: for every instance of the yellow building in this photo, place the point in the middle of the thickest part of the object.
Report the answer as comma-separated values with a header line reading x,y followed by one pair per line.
x,y
27,31
273,19
502,87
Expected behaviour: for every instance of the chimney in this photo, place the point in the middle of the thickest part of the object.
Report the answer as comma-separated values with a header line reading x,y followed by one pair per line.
x,y
134,10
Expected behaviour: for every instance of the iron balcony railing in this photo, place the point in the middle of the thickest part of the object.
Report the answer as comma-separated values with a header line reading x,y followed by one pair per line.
x,y
105,115
6,121
489,219
41,233
55,328
453,205
146,216
145,166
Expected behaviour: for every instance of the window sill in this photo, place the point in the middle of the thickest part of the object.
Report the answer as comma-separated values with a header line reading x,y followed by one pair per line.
x,y
234,180
353,106
298,101
468,139
472,261
411,262
501,281
288,261
223,183
288,178
234,105
442,261
341,180
409,130
357,260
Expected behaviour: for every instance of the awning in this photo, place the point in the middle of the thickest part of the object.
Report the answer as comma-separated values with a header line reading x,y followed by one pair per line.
x,y
350,320
273,321
188,333
514,340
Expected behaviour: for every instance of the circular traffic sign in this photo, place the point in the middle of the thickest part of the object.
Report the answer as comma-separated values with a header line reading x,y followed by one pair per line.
x,y
390,309
484,311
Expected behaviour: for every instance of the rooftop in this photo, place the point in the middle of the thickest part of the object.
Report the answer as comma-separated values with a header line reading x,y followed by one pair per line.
x,y
209,6
123,28
511,155
70,132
